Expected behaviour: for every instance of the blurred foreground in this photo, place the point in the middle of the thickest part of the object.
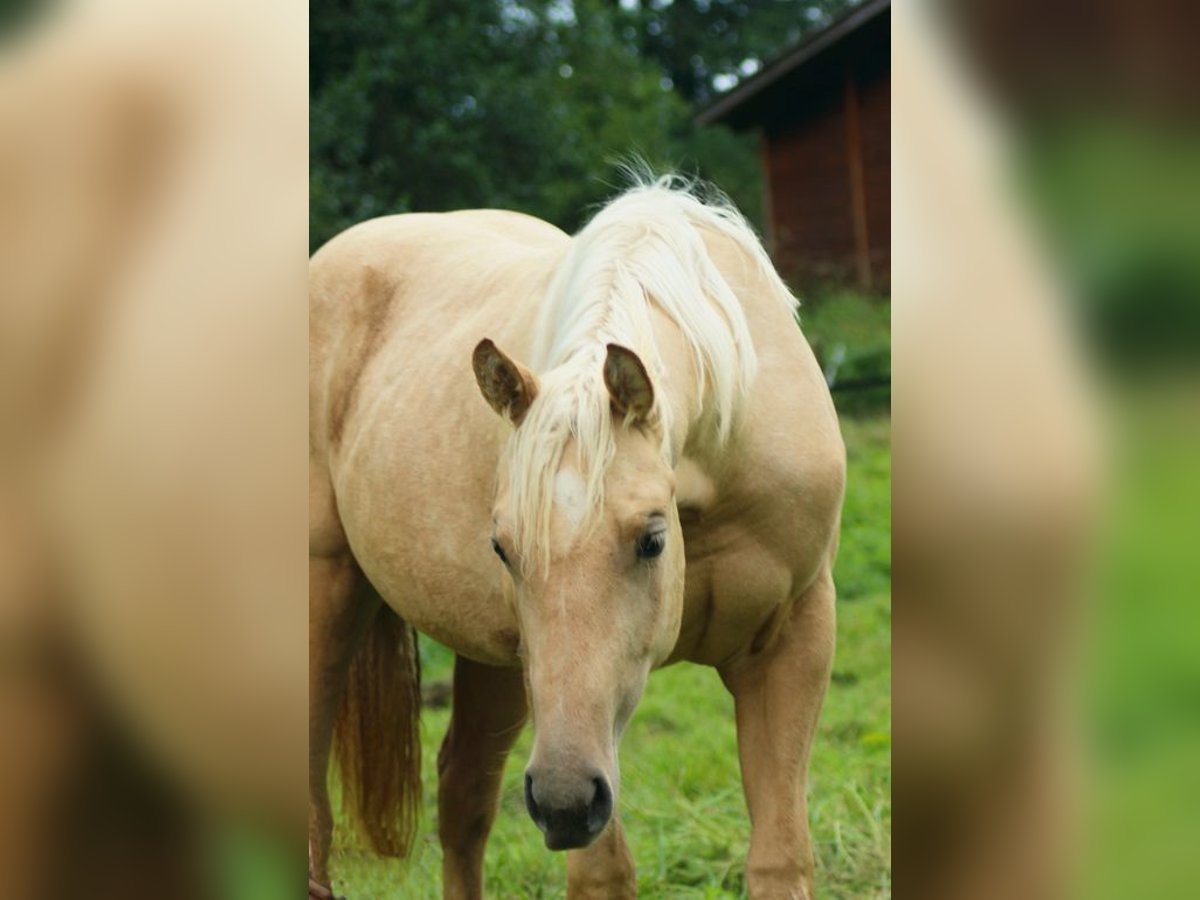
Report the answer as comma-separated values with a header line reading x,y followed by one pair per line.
x,y
1045,443
152,430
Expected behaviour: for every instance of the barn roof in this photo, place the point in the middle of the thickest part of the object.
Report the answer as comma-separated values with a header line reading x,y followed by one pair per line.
x,y
811,59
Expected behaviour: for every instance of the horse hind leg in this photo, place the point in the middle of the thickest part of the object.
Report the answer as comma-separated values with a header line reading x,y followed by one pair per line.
x,y
339,612
777,693
489,711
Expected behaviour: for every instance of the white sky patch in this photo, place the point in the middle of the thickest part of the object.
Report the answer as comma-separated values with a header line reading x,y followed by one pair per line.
x,y
724,81
561,12
570,496
513,15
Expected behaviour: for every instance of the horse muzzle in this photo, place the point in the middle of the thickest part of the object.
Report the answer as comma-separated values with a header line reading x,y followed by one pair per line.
x,y
571,811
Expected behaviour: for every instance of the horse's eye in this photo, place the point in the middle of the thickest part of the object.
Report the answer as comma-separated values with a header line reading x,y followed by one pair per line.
x,y
499,551
651,544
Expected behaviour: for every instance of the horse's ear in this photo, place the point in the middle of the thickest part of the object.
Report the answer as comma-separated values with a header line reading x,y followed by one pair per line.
x,y
507,386
628,384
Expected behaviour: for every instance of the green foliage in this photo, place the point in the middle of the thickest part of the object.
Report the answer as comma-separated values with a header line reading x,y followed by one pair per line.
x,y
1119,197
525,104
681,798
705,44
850,333
1141,679
246,863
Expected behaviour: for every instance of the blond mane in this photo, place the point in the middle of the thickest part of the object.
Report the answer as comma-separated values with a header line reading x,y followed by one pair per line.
x,y
643,251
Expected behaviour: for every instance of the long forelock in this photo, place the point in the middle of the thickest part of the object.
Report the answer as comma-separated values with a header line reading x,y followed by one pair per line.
x,y
642,252
568,412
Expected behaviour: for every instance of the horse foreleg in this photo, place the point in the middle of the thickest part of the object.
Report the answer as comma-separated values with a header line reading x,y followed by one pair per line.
x,y
604,870
489,710
777,694
337,615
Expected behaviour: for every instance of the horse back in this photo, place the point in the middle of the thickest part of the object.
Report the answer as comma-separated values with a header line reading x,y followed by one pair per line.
x,y
404,273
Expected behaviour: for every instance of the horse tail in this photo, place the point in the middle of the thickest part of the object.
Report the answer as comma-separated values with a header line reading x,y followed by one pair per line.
x,y
377,740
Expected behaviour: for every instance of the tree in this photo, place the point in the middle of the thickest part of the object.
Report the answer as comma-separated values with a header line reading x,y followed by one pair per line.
x,y
705,46
523,104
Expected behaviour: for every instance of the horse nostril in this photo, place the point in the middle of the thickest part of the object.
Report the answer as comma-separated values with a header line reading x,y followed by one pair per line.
x,y
530,804
600,809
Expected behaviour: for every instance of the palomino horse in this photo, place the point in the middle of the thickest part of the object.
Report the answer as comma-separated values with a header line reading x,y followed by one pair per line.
x,y
660,481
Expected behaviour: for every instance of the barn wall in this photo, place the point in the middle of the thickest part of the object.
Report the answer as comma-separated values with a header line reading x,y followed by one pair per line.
x,y
811,231
875,111
807,162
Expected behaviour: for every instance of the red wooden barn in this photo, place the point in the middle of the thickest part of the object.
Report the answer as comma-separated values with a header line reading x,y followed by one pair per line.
x,y
823,113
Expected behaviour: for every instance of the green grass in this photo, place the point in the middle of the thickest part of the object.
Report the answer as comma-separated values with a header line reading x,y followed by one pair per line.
x,y
1142,678
681,799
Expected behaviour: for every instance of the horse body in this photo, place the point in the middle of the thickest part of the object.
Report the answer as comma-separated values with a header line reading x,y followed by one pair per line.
x,y
412,460
405,477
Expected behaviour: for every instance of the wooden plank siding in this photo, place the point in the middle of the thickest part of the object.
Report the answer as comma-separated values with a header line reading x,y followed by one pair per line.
x,y
875,105
823,113
811,218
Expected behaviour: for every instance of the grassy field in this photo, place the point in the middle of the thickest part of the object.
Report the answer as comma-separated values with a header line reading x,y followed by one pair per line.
x,y
681,799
